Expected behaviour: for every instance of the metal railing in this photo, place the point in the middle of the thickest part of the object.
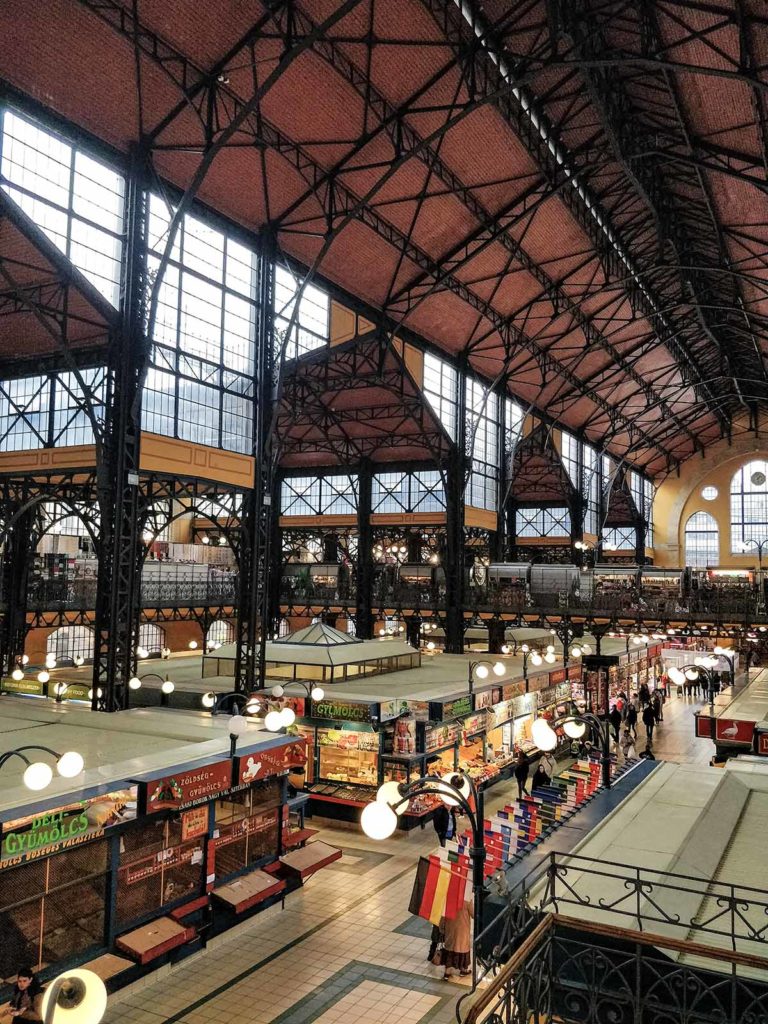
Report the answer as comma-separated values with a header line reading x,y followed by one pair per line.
x,y
576,972
79,594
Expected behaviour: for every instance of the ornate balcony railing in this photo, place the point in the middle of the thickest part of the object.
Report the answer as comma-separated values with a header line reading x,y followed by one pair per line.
x,y
79,594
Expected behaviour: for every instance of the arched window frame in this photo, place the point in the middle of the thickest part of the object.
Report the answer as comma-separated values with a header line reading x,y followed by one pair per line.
x,y
749,507
702,540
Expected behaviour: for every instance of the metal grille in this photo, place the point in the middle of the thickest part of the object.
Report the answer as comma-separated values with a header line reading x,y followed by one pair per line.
x,y
245,842
155,870
53,909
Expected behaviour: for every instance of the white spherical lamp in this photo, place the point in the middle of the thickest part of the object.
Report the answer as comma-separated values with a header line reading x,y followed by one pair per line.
x,y
288,717
168,687
317,693
208,699
390,794
70,764
457,782
543,735
77,997
17,674
273,721
38,775
253,707
481,671
536,659
498,669
134,683
575,651
550,657
277,691
237,725
43,677
676,675
25,659
50,661
574,730
193,645
78,660
378,821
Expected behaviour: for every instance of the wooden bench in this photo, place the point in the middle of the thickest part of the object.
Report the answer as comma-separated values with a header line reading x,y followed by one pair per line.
x,y
249,890
154,939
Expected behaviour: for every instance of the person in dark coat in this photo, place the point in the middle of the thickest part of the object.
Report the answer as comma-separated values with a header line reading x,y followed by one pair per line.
x,y
615,719
540,778
658,712
649,721
645,695
632,720
26,997
522,768
444,820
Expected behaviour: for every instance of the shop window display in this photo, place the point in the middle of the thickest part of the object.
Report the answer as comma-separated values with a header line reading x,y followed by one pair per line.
x,y
348,756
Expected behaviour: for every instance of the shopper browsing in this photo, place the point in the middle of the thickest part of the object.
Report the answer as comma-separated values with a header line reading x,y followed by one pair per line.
x,y
522,768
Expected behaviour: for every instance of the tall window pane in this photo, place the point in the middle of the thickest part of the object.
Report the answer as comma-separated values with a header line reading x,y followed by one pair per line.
x,y
75,200
701,541
749,506
440,387
200,386
311,326
483,428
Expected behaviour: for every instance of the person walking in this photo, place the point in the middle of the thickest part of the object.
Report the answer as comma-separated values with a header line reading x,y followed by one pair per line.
x,y
658,706
645,695
444,821
457,942
631,723
549,764
649,721
628,745
615,719
540,777
522,768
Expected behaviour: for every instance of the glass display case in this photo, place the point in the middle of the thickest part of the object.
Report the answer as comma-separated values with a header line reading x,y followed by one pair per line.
x,y
348,756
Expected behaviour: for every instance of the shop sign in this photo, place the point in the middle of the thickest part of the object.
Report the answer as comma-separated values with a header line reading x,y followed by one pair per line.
x,y
55,829
276,761
547,696
187,789
438,736
341,711
77,691
513,690
487,698
762,743
30,686
574,673
455,708
194,823
394,708
29,838
563,691
731,731
474,724
559,676
500,713
704,727
525,704
163,860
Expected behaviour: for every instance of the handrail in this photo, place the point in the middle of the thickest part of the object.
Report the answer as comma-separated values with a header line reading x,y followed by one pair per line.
x,y
663,941
527,946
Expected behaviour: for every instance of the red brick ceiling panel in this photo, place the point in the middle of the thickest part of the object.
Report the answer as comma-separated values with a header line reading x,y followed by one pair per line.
x,y
445,319
203,29
55,53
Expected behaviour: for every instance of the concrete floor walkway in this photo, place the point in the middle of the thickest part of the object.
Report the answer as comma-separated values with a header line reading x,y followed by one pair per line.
x,y
345,947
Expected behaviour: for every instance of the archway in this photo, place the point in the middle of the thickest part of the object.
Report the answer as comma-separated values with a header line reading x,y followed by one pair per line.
x,y
702,541
69,644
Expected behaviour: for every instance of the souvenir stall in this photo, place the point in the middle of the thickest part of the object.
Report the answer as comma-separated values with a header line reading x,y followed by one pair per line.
x,y
149,869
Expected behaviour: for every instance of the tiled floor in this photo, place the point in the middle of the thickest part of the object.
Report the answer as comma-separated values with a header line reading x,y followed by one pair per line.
x,y
345,947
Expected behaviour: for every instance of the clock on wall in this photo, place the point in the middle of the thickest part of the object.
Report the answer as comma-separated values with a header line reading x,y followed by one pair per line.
x,y
758,479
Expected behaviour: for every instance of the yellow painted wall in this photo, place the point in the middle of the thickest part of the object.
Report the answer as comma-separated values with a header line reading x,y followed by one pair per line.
x,y
679,497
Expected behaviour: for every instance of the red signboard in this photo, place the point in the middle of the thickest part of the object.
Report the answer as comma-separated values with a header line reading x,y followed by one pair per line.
x,y
574,672
730,731
704,727
186,789
762,743
252,767
559,676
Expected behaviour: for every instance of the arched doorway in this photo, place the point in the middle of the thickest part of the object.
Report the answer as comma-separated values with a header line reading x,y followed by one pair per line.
x,y
69,644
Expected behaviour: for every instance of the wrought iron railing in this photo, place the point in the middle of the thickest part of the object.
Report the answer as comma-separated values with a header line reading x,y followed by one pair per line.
x,y
576,972
715,913
79,594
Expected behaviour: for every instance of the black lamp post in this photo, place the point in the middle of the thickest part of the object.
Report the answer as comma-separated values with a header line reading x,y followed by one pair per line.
x,y
38,774
497,667
457,789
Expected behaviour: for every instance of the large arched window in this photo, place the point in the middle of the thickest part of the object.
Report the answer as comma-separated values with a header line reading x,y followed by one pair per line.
x,y
702,541
749,506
